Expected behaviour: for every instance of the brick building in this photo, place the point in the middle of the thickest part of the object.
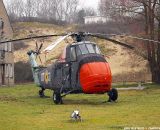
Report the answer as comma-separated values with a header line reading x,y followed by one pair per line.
x,y
6,50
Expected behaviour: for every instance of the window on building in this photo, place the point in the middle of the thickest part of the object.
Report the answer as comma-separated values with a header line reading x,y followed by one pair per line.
x,y
6,46
2,47
6,70
9,46
10,70
1,24
2,54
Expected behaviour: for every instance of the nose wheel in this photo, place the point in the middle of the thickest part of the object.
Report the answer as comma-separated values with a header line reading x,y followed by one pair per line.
x,y
113,95
57,99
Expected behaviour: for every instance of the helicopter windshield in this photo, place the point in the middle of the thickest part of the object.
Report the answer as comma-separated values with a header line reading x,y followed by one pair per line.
x,y
87,49
83,49
90,48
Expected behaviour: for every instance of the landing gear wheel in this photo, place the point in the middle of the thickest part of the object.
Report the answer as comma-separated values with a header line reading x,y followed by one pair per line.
x,y
57,98
41,93
113,95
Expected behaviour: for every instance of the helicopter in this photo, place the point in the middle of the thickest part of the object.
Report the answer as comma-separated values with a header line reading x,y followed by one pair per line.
x,y
81,68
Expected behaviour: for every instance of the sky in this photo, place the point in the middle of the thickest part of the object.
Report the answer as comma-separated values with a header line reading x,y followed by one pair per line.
x,y
89,3
84,3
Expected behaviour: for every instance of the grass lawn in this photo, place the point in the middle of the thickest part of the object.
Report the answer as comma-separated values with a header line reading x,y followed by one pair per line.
x,y
22,109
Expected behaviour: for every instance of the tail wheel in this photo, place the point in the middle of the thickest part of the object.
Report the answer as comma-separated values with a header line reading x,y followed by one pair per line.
x,y
113,95
57,98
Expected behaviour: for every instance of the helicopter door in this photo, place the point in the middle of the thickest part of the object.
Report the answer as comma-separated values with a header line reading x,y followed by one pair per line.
x,y
58,77
68,76
73,66
69,68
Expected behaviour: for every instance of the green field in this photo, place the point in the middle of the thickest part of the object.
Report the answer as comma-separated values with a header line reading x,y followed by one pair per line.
x,y
22,109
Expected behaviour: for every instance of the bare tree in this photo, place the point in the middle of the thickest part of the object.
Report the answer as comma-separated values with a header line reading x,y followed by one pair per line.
x,y
45,9
15,9
67,9
149,12
71,9
90,11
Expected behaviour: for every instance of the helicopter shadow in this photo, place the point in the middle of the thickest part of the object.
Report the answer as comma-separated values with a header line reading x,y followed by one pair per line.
x,y
86,102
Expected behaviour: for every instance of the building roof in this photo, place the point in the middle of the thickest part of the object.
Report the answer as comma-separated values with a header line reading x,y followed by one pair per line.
x,y
8,31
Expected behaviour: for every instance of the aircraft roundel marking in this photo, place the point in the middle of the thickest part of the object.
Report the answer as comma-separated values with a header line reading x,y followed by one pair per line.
x,y
46,77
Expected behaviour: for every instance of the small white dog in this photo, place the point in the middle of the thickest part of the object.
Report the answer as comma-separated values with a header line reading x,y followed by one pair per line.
x,y
76,116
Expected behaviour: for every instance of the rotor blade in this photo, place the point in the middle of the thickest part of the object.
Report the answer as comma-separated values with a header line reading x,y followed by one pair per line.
x,y
54,44
112,40
40,59
36,46
130,36
140,38
40,48
29,38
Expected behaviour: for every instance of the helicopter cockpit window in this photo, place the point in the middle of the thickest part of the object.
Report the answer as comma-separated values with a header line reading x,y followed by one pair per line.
x,y
87,49
83,49
97,49
90,48
73,54
78,51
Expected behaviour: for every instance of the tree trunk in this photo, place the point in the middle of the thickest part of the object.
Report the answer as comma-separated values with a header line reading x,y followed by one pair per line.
x,y
156,75
152,53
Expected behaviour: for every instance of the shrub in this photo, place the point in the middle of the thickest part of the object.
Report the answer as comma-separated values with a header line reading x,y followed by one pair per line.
x,y
23,72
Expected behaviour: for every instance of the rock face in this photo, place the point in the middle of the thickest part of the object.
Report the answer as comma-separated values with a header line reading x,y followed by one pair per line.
x,y
6,50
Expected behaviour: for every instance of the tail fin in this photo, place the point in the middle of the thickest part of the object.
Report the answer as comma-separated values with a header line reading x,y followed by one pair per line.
x,y
35,67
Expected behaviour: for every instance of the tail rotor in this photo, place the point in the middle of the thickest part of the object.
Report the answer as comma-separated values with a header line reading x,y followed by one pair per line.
x,y
38,51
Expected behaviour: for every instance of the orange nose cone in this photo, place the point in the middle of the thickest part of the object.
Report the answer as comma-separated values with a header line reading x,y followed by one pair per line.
x,y
95,77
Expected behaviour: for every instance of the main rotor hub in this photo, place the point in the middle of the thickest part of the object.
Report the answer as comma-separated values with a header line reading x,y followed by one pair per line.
x,y
78,37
